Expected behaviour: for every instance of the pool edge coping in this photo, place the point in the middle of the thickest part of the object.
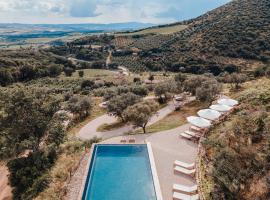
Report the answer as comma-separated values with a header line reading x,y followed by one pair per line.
x,y
86,172
154,172
152,165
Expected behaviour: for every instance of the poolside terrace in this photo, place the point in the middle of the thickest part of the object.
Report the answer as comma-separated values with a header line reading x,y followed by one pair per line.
x,y
167,147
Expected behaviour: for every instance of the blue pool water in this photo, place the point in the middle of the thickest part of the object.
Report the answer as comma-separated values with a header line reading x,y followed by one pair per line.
x,y
120,172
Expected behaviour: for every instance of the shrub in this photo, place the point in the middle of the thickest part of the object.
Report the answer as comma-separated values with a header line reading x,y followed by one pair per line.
x,y
81,73
26,173
68,71
5,77
87,84
136,80
55,70
80,106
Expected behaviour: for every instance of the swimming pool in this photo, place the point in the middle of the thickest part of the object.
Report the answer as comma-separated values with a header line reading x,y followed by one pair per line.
x,y
120,172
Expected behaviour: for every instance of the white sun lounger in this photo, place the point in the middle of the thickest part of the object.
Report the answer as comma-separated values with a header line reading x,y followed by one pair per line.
x,y
184,135
193,134
185,165
184,170
180,196
195,128
186,189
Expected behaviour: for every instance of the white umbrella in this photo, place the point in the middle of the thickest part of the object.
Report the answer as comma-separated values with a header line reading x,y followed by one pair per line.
x,y
227,102
199,122
220,108
209,114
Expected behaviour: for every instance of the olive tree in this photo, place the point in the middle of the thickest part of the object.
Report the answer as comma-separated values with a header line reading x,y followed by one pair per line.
x,y
236,79
118,104
208,90
163,89
193,82
140,113
80,106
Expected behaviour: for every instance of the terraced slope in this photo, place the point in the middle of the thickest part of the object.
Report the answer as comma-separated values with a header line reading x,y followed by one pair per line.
x,y
237,33
240,29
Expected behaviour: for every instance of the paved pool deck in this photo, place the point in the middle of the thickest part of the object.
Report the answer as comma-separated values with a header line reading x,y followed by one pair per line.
x,y
167,147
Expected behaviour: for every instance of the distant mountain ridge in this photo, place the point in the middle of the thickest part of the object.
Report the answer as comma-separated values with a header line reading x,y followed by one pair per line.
x,y
40,34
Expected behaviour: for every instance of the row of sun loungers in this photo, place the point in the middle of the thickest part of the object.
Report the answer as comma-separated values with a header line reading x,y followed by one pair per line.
x,y
184,168
130,141
182,192
208,118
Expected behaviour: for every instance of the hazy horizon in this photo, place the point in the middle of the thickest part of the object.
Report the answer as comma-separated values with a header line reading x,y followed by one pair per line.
x,y
103,11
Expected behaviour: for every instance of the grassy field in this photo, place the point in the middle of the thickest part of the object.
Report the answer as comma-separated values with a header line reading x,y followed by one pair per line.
x,y
162,30
28,42
90,73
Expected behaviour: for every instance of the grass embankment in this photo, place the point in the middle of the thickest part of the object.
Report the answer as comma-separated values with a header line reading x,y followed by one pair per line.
x,y
60,174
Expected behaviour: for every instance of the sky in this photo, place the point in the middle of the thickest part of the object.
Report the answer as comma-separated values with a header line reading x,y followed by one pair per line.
x,y
103,11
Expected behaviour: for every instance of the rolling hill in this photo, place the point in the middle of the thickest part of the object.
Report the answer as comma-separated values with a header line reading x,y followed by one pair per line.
x,y
236,34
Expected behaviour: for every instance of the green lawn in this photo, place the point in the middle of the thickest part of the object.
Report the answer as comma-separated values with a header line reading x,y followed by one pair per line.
x,y
90,73
109,127
175,119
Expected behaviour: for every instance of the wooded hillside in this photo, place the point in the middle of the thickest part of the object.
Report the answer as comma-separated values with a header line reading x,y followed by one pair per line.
x,y
237,34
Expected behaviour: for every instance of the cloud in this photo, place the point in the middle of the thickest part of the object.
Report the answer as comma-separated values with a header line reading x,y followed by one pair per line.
x,y
102,11
83,8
